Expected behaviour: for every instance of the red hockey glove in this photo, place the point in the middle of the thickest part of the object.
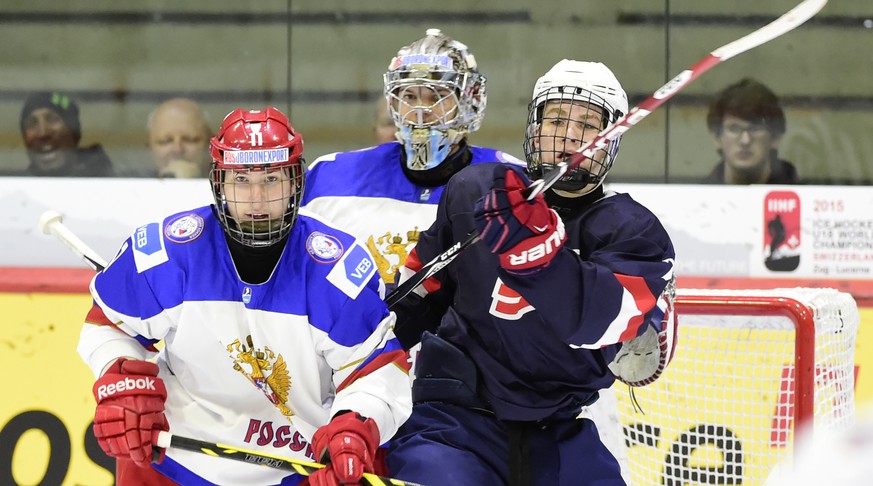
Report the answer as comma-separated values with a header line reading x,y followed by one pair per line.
x,y
527,235
348,443
130,406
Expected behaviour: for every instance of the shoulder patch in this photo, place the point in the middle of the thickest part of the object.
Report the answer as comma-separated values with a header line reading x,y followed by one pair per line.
x,y
324,248
508,159
353,271
184,229
148,247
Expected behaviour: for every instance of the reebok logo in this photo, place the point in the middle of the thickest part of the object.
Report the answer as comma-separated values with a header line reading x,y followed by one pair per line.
x,y
106,391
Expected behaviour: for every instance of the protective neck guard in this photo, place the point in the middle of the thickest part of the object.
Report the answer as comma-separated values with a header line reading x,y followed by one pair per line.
x,y
255,265
439,175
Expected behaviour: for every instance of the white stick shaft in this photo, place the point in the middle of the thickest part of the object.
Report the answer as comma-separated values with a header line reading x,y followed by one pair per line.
x,y
78,246
787,22
52,223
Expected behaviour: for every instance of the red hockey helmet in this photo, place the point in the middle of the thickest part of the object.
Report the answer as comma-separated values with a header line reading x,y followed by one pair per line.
x,y
257,175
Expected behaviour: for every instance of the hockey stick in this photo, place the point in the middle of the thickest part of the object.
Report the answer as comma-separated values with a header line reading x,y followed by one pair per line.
x,y
52,222
304,468
787,22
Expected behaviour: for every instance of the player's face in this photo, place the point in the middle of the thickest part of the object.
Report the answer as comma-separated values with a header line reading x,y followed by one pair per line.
x,y
48,139
258,200
423,105
745,146
565,127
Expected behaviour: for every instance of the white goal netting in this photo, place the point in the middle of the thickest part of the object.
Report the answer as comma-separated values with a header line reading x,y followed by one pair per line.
x,y
750,367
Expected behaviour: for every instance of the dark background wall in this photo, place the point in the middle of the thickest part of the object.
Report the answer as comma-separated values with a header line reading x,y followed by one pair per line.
x,y
322,61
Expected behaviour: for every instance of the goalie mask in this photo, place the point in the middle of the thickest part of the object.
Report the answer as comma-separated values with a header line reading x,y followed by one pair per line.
x,y
436,96
571,104
257,176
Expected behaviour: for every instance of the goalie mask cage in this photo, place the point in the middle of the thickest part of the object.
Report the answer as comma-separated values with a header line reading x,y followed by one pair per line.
x,y
751,366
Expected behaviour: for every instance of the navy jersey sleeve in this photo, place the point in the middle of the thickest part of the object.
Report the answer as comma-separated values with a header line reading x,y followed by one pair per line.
x,y
608,281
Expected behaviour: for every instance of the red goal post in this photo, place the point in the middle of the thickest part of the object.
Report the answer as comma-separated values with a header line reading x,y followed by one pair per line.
x,y
751,366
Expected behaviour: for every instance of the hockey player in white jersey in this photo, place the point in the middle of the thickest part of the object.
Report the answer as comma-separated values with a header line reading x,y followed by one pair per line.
x,y
385,195
275,334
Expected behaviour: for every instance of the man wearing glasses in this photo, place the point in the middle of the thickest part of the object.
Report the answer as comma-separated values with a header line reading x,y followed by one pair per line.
x,y
747,123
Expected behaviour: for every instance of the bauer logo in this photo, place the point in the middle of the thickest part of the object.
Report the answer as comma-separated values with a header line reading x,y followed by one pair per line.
x,y
781,231
353,271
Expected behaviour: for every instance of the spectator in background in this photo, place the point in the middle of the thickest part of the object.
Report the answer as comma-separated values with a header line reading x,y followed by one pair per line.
x,y
747,123
383,126
52,131
178,138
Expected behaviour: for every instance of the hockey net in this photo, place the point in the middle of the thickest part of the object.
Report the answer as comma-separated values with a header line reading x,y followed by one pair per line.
x,y
751,366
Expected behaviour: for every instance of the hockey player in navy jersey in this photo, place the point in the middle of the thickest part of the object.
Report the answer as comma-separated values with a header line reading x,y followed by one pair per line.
x,y
552,305
436,96
385,195
275,334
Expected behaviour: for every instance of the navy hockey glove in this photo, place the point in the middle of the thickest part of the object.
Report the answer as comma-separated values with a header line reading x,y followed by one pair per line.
x,y
130,407
526,235
348,444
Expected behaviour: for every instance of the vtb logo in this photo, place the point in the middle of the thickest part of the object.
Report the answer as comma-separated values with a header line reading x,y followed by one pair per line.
x,y
507,303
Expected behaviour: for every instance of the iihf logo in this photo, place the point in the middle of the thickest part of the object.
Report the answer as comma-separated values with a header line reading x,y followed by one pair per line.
x,y
247,295
782,231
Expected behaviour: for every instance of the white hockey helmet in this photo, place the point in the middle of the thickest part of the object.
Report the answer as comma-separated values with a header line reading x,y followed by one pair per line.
x,y
436,96
585,83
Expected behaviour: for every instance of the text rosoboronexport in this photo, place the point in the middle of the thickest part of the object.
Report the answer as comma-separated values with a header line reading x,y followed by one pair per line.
x,y
256,156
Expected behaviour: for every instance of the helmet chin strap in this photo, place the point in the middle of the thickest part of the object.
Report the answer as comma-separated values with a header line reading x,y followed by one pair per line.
x,y
573,182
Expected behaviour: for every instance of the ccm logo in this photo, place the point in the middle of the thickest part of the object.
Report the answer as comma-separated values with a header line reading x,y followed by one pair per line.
x,y
547,247
126,384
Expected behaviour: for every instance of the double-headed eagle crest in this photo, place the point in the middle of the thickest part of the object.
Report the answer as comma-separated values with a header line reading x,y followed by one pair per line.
x,y
390,252
253,363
